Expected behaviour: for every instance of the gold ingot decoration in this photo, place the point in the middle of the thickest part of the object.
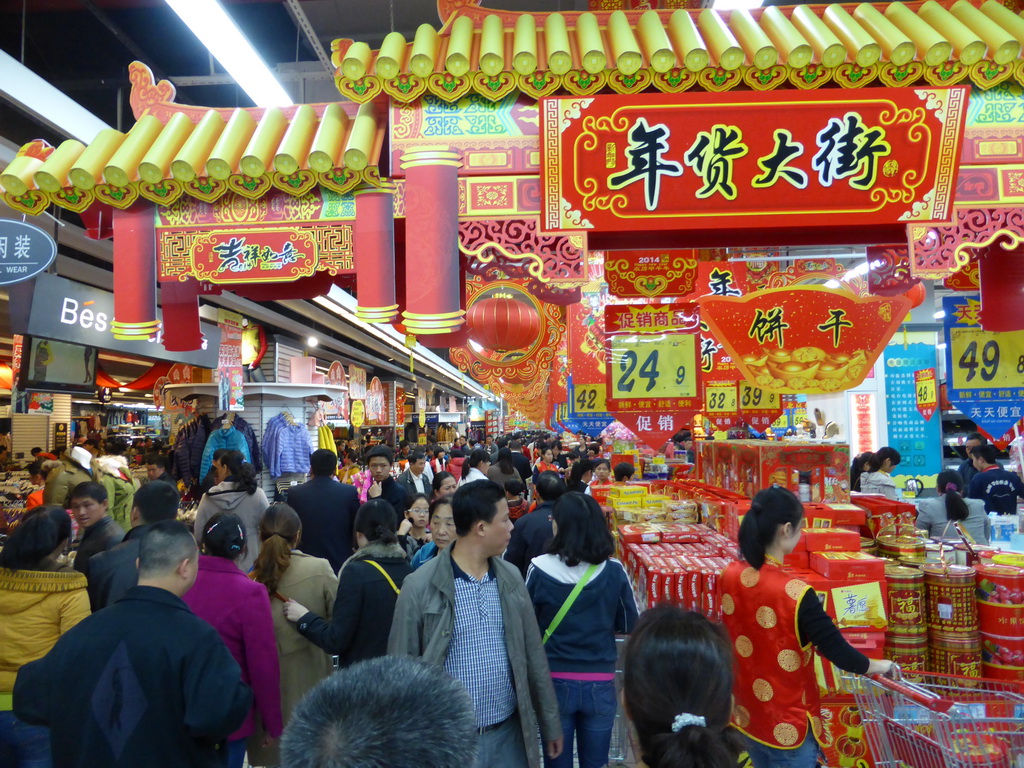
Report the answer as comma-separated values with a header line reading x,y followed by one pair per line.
x,y
721,42
52,175
967,46
156,165
264,143
896,46
860,46
686,39
524,45
492,46
556,44
796,51
827,47
123,167
327,147
591,47
757,45
191,158
296,142
87,170
227,152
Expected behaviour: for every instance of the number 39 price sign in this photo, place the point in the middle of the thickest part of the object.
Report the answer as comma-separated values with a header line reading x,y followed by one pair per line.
x,y
653,367
986,369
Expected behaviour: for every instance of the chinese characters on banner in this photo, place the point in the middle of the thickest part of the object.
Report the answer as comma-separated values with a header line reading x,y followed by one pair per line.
x,y
918,440
376,403
356,382
804,339
750,160
927,392
647,274
864,430
587,409
229,362
653,368
985,369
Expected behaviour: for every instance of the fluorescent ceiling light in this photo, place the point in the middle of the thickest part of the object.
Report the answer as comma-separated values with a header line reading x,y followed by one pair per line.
x,y
26,89
312,341
219,33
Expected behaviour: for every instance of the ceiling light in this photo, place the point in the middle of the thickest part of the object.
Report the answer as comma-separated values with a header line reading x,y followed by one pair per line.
x,y
940,314
312,341
26,89
219,33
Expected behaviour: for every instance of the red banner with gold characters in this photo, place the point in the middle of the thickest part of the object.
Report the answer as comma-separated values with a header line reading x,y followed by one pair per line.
x,y
804,339
927,392
647,274
652,354
750,160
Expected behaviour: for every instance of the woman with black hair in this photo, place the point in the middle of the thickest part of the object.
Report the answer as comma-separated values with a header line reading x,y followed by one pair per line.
x,y
503,470
936,516
443,484
239,609
40,600
237,492
876,476
582,597
580,475
368,587
773,620
857,469
677,691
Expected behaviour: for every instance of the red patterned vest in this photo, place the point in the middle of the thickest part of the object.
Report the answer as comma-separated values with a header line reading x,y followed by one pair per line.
x,y
776,690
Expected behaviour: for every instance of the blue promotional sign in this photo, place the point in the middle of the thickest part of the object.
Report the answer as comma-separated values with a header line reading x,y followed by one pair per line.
x,y
918,440
582,413
25,251
984,370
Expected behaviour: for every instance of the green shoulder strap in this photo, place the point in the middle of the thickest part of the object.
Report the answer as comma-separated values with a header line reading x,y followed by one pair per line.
x,y
569,601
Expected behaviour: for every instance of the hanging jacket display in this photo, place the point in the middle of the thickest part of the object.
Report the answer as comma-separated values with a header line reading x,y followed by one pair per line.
x,y
189,444
286,446
245,428
228,437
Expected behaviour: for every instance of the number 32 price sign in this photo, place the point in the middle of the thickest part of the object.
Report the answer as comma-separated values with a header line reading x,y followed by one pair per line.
x,y
986,379
652,357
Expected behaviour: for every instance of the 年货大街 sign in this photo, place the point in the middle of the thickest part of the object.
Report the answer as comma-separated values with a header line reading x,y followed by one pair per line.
x,y
882,155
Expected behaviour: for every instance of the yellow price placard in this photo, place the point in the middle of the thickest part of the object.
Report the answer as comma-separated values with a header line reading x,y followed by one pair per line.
x,y
423,419
753,398
926,394
645,367
591,398
986,360
720,398
358,415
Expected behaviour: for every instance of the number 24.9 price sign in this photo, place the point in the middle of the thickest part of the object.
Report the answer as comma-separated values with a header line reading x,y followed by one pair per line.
x,y
652,357
986,379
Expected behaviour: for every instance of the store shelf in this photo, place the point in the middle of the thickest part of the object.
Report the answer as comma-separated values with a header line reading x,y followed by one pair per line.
x,y
282,391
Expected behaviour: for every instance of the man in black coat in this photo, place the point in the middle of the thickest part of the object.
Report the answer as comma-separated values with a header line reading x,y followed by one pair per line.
x,y
114,572
532,532
520,461
327,510
100,532
379,460
143,682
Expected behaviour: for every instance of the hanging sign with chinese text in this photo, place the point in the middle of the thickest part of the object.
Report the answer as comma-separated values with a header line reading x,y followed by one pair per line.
x,y
654,428
25,251
760,408
815,158
804,339
646,274
652,357
356,382
927,392
985,368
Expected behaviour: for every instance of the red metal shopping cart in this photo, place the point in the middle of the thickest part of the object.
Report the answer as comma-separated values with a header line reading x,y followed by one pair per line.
x,y
941,721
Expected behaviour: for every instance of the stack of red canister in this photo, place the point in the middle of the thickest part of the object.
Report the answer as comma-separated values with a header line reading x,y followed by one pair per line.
x,y
954,642
906,638
1000,594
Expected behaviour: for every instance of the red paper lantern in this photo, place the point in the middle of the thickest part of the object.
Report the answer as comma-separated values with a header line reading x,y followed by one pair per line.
x,y
503,324
917,294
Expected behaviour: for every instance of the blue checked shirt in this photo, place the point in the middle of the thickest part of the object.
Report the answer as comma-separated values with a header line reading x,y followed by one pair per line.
x,y
477,655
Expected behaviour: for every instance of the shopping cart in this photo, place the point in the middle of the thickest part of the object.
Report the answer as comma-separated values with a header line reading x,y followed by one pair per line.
x,y
941,721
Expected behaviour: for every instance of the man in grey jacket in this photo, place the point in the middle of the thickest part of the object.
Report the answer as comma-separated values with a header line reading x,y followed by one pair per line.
x,y
468,611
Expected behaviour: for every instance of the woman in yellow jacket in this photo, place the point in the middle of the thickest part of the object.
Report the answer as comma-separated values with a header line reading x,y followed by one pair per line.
x,y
39,601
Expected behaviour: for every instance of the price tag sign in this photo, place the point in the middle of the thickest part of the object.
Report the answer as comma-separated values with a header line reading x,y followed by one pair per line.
x,y
987,368
720,398
358,415
761,408
591,398
422,419
926,392
663,366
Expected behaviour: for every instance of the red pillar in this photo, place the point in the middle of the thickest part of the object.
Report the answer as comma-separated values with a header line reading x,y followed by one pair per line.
x,y
135,273
432,278
374,241
1001,274
180,303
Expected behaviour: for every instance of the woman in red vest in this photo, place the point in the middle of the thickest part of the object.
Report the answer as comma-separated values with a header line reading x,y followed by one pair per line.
x,y
774,620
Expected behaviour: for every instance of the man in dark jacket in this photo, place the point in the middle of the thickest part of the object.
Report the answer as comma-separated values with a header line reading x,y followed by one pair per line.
x,y
156,468
532,533
114,572
327,510
520,462
158,684
997,487
967,469
415,479
100,532
379,460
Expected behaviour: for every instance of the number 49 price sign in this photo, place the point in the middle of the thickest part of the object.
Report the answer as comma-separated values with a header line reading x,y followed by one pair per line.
x,y
653,357
986,369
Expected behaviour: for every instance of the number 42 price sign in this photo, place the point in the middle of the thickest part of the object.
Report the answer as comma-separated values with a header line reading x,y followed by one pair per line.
x,y
652,357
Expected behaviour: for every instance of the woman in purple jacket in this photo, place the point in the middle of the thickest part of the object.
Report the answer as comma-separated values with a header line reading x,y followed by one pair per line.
x,y
239,609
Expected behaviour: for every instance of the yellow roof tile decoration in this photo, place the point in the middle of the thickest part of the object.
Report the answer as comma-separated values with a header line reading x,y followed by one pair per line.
x,y
174,150
494,53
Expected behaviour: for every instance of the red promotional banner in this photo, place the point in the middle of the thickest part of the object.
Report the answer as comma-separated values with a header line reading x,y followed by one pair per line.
x,y
647,274
804,339
652,357
654,428
750,160
927,392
